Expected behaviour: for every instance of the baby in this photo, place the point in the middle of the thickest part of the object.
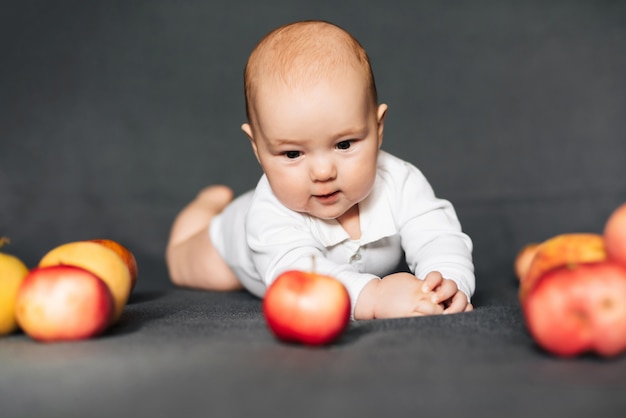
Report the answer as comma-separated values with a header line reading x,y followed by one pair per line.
x,y
328,191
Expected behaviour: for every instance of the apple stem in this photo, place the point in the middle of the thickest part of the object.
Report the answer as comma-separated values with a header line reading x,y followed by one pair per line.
x,y
313,263
4,241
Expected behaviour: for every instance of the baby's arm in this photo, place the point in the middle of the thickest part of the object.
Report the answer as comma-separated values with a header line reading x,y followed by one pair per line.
x,y
432,238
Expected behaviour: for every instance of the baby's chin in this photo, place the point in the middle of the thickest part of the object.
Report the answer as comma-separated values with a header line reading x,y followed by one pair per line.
x,y
327,215
315,214
331,211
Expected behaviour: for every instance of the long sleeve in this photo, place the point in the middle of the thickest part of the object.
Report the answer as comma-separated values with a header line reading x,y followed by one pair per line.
x,y
430,231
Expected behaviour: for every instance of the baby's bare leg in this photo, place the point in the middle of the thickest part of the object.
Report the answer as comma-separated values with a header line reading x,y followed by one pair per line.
x,y
191,258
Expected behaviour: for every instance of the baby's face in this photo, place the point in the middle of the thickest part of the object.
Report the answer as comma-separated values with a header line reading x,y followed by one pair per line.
x,y
318,144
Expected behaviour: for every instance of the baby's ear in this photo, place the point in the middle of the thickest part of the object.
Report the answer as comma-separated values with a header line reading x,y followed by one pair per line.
x,y
380,116
248,131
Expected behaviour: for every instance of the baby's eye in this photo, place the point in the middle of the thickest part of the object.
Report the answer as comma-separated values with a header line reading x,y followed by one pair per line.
x,y
292,154
344,144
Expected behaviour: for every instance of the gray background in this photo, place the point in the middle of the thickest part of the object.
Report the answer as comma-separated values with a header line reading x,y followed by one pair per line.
x,y
114,114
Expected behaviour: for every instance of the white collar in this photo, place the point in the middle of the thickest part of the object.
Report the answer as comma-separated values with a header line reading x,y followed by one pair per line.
x,y
375,217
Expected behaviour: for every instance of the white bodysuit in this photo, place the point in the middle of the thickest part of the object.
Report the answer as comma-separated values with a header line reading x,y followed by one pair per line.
x,y
259,238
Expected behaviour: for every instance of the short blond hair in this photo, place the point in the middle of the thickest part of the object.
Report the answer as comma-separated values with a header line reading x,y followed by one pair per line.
x,y
304,52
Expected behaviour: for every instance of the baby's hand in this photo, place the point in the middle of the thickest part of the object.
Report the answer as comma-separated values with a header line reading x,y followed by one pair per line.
x,y
402,295
446,293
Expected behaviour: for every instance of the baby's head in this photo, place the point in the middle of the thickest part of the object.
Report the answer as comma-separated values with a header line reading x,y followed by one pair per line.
x,y
314,122
303,53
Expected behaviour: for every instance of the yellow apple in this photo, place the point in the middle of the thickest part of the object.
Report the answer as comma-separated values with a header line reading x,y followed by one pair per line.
x,y
126,255
12,273
99,260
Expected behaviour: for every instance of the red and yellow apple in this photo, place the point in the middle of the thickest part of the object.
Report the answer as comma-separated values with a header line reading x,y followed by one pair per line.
x,y
100,260
523,259
579,308
127,256
562,250
63,303
306,308
615,235
12,273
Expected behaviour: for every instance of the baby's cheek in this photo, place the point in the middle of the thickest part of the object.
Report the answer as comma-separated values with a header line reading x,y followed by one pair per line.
x,y
289,194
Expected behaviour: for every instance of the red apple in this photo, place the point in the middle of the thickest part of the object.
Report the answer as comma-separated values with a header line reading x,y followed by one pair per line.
x,y
306,308
579,308
63,303
615,235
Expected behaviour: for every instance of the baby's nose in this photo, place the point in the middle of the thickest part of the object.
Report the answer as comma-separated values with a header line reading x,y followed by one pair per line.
x,y
323,170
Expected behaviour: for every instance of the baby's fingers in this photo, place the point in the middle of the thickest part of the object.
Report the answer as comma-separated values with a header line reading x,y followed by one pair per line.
x,y
445,291
458,303
424,307
431,281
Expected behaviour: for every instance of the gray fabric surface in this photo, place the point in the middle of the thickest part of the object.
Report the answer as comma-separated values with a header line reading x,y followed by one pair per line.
x,y
113,114
188,353
179,352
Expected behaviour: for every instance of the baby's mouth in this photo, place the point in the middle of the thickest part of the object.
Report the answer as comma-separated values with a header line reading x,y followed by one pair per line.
x,y
327,197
